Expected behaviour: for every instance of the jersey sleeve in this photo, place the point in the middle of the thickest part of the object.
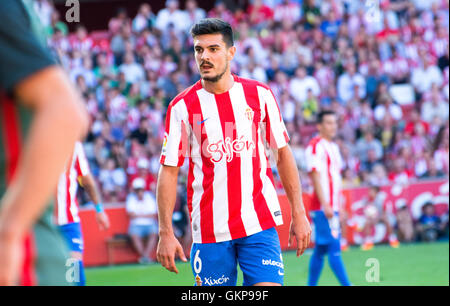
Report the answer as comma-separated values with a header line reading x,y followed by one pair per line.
x,y
21,53
81,163
276,133
176,137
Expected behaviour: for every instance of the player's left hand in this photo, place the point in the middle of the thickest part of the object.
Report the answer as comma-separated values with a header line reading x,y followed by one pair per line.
x,y
301,230
102,220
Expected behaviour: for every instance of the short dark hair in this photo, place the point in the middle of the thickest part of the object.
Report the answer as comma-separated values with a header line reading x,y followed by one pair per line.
x,y
324,113
214,26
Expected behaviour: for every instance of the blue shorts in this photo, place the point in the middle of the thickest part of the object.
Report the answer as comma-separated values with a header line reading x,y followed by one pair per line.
x,y
326,231
142,230
73,237
259,257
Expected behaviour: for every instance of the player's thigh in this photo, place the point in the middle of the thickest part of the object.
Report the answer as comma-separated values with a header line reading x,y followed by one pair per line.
x,y
260,258
322,230
214,264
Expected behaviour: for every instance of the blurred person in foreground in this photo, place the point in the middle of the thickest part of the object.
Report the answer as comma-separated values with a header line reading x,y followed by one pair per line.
x,y
142,210
77,172
233,218
324,165
41,117
375,212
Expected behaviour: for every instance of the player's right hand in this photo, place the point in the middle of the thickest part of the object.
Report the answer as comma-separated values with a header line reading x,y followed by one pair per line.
x,y
168,248
328,211
11,252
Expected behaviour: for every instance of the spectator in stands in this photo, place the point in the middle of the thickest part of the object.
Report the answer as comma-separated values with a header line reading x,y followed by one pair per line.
x,y
194,12
287,10
400,174
172,15
112,180
425,76
133,71
311,14
143,167
143,213
436,106
301,84
367,143
259,14
331,25
414,120
141,134
144,19
347,83
429,225
386,106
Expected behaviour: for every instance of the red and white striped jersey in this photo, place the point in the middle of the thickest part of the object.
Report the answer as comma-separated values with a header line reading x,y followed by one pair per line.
x,y
323,156
66,206
230,188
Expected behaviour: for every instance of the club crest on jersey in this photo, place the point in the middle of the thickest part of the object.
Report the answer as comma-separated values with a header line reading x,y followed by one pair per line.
x,y
226,149
198,280
249,113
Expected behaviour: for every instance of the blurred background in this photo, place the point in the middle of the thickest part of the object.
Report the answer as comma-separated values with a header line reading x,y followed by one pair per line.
x,y
382,66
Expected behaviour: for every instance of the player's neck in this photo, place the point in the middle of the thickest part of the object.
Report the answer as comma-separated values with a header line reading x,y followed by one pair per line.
x,y
221,86
327,138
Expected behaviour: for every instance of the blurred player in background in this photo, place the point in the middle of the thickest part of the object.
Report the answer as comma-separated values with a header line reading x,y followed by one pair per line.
x,y
220,122
324,166
77,172
41,117
375,212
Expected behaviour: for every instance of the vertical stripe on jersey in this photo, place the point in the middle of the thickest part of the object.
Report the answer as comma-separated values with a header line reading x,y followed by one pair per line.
x,y
251,222
195,184
330,181
227,120
219,202
68,195
206,206
261,208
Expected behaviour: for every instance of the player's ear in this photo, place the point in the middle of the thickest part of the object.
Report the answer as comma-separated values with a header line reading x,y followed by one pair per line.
x,y
231,52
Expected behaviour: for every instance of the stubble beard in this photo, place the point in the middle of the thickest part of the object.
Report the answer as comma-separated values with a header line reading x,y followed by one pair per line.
x,y
216,78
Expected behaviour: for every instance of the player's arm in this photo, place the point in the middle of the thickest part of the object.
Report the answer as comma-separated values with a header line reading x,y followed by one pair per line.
x,y
315,178
300,227
49,144
278,139
166,192
88,183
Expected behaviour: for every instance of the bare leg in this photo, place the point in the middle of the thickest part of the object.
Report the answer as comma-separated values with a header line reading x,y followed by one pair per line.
x,y
138,244
151,244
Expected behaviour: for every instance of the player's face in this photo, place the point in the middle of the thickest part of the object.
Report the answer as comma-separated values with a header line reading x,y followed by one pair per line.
x,y
328,127
212,56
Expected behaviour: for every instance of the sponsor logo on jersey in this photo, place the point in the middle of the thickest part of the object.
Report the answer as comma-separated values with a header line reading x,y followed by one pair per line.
x,y
226,149
220,281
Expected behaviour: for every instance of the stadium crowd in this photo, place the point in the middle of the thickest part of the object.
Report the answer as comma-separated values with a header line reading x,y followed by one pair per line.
x,y
382,66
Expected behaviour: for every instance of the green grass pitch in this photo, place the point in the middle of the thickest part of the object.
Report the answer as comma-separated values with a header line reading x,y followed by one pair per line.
x,y
411,264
